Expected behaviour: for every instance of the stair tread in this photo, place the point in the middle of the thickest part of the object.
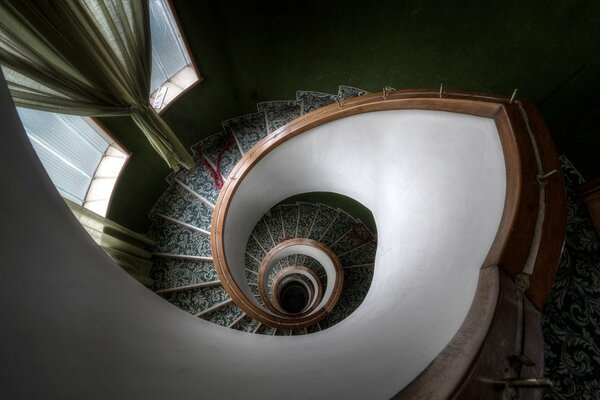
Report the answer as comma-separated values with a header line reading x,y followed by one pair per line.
x,y
307,212
197,300
219,147
200,181
251,263
347,92
289,215
325,215
224,315
363,255
265,330
356,285
173,238
343,223
279,113
358,236
313,100
247,129
274,224
180,204
170,272
254,249
246,324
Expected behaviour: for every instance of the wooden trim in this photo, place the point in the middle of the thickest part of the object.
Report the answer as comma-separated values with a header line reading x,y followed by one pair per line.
x,y
555,219
280,279
111,135
513,240
278,319
455,361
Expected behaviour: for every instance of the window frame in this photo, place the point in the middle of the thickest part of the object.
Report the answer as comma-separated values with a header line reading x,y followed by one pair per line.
x,y
128,154
193,65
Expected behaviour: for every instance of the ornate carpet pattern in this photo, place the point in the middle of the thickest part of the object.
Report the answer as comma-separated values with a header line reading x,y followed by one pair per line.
x,y
571,316
183,271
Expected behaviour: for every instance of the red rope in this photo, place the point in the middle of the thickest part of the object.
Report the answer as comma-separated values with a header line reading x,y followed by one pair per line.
x,y
215,173
357,233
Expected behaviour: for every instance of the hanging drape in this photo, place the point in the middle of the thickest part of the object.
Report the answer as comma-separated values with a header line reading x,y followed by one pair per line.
x,y
85,57
125,247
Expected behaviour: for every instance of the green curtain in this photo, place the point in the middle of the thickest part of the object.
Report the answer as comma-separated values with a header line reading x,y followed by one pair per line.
x,y
125,247
85,57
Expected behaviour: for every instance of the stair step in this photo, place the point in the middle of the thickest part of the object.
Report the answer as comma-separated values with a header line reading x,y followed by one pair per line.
x,y
325,217
263,236
289,216
224,315
265,330
359,235
188,287
314,100
347,92
221,149
274,223
251,263
247,129
197,300
182,256
174,238
251,276
237,320
362,255
181,205
181,223
254,250
255,291
342,225
172,272
356,285
279,113
246,324
201,182
307,213
313,328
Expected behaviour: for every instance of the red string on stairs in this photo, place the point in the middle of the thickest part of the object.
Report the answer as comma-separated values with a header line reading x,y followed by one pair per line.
x,y
215,173
361,234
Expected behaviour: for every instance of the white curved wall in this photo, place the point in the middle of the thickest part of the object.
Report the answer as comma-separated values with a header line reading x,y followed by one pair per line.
x,y
76,326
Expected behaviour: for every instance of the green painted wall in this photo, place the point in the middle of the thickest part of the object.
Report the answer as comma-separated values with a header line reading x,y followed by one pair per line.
x,y
253,51
548,50
195,115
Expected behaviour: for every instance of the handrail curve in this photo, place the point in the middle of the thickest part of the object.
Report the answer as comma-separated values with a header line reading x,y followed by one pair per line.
x,y
511,246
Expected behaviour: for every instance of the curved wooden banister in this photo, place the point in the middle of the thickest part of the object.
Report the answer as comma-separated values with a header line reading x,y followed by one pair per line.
x,y
279,282
513,242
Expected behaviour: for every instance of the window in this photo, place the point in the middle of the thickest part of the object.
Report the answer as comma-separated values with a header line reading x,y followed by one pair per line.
x,y
172,69
82,161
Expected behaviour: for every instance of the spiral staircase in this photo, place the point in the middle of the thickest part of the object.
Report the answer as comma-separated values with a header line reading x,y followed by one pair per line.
x,y
184,271
446,290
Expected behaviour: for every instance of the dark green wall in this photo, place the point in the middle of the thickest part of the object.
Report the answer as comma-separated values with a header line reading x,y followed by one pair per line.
x,y
251,51
195,115
549,50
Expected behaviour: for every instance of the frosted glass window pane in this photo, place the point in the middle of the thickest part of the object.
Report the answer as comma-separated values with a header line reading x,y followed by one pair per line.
x,y
169,55
69,147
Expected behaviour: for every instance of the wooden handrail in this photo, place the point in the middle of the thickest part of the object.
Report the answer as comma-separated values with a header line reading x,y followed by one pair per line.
x,y
514,237
279,281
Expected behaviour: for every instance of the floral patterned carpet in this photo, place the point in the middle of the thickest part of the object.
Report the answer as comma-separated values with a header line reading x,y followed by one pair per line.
x,y
571,316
